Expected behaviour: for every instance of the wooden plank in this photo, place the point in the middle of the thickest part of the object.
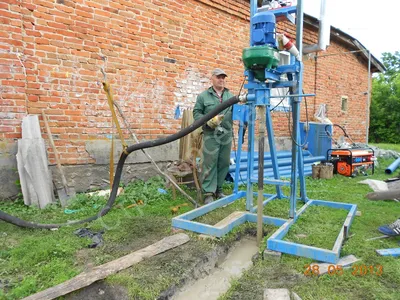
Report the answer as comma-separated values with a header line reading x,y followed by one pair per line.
x,y
69,193
103,271
224,222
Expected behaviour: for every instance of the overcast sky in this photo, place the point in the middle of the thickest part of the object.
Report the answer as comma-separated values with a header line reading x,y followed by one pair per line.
x,y
374,23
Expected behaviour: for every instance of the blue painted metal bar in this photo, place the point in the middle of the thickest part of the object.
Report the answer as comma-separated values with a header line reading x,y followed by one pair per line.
x,y
265,195
272,146
284,84
288,68
339,240
266,220
295,146
344,231
284,162
276,181
389,252
303,250
339,205
239,153
193,214
267,155
254,209
282,231
350,218
284,173
196,227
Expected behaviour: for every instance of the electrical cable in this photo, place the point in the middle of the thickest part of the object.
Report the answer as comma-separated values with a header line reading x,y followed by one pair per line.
x,y
344,131
237,159
280,102
117,177
290,132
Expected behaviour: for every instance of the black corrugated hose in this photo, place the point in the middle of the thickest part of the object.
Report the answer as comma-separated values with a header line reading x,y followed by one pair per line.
x,y
117,177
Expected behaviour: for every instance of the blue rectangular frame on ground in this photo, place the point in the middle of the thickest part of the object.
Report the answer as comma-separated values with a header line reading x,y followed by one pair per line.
x,y
275,242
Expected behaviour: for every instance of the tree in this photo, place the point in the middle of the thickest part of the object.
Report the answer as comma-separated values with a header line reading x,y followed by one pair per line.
x,y
385,102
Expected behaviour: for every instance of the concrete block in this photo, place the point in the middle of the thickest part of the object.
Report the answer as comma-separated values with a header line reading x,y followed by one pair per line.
x,y
274,255
276,294
344,262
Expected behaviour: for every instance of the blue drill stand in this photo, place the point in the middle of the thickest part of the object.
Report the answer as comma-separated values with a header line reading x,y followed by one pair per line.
x,y
263,74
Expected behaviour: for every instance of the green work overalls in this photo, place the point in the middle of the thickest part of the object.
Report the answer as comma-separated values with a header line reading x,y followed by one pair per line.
x,y
217,142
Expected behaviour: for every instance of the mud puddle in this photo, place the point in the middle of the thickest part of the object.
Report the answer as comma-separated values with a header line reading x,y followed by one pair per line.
x,y
218,281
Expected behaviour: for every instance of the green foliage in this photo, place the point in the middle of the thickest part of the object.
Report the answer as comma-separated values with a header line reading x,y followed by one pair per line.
x,y
385,102
149,192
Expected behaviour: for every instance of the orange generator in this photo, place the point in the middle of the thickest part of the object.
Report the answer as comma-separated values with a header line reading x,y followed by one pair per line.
x,y
352,162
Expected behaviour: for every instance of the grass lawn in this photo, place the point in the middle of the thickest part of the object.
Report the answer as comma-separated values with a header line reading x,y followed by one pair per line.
x,y
33,260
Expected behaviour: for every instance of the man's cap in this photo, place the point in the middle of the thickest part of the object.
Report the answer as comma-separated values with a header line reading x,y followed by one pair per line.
x,y
218,71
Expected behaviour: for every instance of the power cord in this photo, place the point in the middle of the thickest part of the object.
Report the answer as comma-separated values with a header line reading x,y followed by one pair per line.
x,y
307,121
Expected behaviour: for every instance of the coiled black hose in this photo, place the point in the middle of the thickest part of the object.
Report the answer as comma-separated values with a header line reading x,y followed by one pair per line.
x,y
117,177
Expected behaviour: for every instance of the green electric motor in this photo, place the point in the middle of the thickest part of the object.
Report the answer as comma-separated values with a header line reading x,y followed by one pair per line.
x,y
260,58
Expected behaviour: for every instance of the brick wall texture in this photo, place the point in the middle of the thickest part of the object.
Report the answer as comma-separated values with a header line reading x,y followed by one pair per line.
x,y
156,54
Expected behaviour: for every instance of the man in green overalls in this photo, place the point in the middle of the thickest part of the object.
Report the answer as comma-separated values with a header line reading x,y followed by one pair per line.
x,y
217,136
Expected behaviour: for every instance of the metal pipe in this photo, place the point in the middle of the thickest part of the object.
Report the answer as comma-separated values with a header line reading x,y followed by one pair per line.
x,y
296,111
253,10
368,96
299,27
260,198
323,32
393,166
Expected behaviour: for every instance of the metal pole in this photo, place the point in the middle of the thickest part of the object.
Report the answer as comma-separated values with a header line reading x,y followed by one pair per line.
x,y
296,113
253,10
299,26
261,141
369,95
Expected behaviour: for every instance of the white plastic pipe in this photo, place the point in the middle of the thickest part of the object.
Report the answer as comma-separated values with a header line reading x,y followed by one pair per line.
x,y
324,33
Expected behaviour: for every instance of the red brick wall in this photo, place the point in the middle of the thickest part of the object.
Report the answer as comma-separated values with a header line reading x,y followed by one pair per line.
x,y
157,55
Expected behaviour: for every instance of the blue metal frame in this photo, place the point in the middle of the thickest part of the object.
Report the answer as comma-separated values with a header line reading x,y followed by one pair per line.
x,y
259,93
389,252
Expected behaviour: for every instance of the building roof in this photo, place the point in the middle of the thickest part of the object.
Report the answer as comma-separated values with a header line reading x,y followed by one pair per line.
x,y
350,42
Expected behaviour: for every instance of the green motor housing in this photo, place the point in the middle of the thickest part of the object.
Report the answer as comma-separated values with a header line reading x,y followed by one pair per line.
x,y
260,58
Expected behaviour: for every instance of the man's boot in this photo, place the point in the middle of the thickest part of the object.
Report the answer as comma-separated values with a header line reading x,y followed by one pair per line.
x,y
208,198
220,194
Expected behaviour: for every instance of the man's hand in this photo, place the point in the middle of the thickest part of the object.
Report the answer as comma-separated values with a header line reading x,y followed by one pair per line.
x,y
214,122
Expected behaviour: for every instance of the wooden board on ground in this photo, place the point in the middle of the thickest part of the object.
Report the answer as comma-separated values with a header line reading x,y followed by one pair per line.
x,y
221,224
112,267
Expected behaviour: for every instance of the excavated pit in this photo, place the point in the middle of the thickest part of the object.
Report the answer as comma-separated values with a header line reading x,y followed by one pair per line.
x,y
218,281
